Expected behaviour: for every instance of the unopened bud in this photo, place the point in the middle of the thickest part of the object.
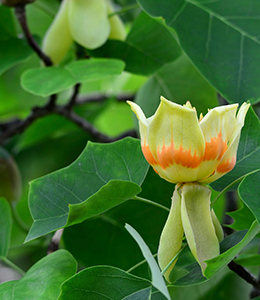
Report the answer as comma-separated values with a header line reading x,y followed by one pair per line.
x,y
10,179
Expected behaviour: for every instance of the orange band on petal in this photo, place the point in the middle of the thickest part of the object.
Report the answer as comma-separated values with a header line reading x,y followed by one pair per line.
x,y
215,148
169,155
148,155
227,165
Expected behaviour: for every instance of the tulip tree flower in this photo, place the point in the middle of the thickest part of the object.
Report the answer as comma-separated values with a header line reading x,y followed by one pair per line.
x,y
190,152
86,22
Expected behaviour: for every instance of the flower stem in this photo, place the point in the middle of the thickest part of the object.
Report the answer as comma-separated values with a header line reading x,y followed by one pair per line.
x,y
123,10
174,258
139,264
150,202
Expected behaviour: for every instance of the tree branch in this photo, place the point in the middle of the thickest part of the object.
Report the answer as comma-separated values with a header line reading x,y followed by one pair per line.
x,y
21,17
13,127
243,273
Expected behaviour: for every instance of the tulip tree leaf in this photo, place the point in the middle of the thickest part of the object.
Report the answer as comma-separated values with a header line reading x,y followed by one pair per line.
x,y
103,176
104,241
148,46
105,282
220,38
243,218
248,154
12,52
157,278
5,226
215,264
42,281
249,191
58,79
179,82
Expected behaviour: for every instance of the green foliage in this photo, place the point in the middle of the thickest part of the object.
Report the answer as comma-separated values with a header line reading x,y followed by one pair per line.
x,y
69,196
103,282
217,36
43,280
67,128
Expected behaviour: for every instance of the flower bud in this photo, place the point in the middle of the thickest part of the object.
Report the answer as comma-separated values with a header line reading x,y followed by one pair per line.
x,y
58,39
10,179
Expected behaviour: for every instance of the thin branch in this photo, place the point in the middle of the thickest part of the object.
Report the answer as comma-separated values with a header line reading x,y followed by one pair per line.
x,y
21,17
243,273
13,127
104,97
74,96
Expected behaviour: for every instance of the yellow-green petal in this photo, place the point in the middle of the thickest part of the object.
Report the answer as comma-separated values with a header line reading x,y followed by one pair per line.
x,y
228,160
118,31
171,237
58,39
197,222
89,22
175,138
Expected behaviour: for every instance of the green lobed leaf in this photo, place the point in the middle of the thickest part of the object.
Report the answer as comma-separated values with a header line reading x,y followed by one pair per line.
x,y
12,52
215,264
179,82
105,282
42,281
243,218
103,239
157,278
57,79
112,194
148,46
221,38
248,154
5,226
249,191
87,178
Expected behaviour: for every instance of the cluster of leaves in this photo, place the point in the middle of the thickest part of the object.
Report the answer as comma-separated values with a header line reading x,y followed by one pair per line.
x,y
184,50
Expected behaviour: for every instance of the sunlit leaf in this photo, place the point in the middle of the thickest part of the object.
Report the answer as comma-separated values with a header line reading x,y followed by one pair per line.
x,y
42,281
57,79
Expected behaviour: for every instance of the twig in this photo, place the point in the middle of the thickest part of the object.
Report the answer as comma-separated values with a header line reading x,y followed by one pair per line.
x,y
243,273
73,98
101,98
9,129
21,17
55,241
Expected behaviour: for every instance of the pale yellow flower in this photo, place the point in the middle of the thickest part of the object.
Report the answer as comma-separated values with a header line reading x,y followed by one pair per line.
x,y
190,152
